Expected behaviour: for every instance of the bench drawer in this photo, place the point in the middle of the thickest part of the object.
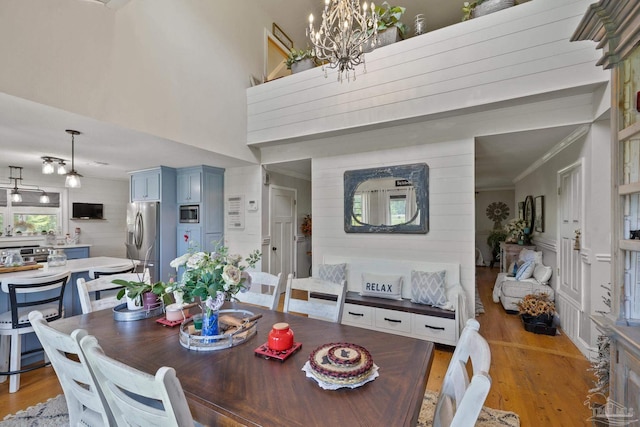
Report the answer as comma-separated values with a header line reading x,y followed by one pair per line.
x,y
392,320
434,328
353,314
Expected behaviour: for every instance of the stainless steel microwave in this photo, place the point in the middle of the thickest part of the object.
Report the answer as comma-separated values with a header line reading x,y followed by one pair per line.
x,y
190,213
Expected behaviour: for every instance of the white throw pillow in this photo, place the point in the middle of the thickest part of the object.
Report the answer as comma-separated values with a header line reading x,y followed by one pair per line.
x,y
376,285
542,273
428,287
335,273
529,255
525,270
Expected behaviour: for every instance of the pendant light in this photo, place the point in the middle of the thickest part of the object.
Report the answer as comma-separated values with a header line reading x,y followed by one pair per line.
x,y
47,165
44,197
73,177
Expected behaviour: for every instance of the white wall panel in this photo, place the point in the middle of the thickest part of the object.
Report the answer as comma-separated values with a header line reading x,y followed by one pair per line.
x,y
247,182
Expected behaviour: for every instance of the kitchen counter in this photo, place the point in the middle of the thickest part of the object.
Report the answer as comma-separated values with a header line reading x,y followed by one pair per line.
x,y
77,245
73,265
79,268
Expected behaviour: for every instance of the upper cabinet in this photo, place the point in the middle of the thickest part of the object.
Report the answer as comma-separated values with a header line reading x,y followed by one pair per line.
x,y
145,186
153,185
189,183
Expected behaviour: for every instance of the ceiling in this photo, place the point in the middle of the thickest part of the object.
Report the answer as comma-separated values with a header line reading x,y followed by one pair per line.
x,y
29,130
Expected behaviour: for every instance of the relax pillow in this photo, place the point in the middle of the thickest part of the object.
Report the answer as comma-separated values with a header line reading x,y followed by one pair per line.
x,y
542,273
335,273
376,285
525,270
428,288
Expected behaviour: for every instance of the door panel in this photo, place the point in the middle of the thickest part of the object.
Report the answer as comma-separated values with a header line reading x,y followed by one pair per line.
x,y
570,274
283,213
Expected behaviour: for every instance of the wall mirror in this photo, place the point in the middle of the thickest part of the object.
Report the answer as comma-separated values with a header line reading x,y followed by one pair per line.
x,y
392,199
528,214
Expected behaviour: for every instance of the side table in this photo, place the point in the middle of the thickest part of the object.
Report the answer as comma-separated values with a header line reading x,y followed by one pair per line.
x,y
509,252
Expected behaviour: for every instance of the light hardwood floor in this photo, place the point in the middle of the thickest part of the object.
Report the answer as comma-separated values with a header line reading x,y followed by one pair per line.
x,y
543,379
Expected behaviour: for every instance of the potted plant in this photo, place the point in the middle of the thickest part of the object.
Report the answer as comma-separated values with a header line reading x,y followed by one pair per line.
x,y
537,312
496,236
390,29
142,294
475,8
300,60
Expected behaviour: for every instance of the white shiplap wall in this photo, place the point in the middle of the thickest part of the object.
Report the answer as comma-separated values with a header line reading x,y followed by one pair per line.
x,y
513,54
107,236
451,208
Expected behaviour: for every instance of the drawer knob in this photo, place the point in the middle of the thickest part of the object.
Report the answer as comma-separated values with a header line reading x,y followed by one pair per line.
x,y
392,320
438,328
355,314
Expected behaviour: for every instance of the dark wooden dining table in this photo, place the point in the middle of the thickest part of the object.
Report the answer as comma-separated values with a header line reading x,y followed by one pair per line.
x,y
234,386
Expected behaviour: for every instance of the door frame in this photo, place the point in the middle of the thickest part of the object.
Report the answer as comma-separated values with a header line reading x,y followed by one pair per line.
x,y
294,255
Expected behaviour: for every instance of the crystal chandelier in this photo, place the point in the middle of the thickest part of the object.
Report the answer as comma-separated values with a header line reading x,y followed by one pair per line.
x,y
346,30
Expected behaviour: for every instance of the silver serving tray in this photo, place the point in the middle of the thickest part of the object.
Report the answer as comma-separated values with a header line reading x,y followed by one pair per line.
x,y
216,342
122,314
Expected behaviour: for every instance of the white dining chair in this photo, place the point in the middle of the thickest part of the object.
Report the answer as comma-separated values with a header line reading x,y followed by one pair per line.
x,y
102,284
136,398
297,298
95,273
460,400
44,293
86,405
255,294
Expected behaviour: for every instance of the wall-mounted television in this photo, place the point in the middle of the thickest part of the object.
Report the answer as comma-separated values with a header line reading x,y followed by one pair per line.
x,y
87,211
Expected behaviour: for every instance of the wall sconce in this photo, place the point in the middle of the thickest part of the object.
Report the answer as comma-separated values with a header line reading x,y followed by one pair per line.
x,y
73,177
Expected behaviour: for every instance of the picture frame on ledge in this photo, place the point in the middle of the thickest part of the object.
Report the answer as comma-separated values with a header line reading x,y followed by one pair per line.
x,y
281,36
539,214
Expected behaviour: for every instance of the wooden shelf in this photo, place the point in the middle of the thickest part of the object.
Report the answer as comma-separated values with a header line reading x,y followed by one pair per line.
x,y
630,245
632,188
629,132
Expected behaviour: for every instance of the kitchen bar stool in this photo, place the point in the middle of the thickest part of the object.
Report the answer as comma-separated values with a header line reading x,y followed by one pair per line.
x,y
44,293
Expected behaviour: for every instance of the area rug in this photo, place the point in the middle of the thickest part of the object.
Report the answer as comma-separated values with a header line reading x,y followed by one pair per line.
x,y
479,305
51,413
488,417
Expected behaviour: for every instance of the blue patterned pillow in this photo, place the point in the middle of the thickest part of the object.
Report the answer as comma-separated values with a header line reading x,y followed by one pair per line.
x,y
525,270
335,273
428,288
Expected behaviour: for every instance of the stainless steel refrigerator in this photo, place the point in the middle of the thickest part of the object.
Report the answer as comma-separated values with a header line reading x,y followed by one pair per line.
x,y
143,235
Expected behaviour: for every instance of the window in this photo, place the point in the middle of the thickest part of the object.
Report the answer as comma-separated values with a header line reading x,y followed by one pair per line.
x,y
398,209
357,209
30,217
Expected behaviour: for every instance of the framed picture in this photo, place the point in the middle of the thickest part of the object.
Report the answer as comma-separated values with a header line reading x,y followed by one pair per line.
x,y
539,210
521,210
281,36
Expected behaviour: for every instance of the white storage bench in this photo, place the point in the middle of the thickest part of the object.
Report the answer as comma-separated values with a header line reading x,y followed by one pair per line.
x,y
402,317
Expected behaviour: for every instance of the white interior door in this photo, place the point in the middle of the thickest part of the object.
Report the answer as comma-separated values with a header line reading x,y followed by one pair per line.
x,y
570,214
282,223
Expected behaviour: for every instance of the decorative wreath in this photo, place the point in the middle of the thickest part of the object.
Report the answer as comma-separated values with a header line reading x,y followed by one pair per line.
x,y
497,212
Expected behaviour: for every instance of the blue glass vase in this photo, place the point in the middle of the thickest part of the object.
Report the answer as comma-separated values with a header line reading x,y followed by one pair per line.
x,y
209,323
